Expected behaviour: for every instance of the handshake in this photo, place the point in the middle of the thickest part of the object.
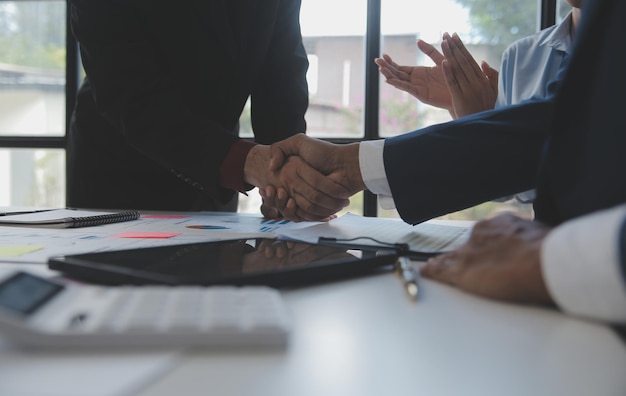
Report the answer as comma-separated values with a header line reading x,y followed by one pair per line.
x,y
304,179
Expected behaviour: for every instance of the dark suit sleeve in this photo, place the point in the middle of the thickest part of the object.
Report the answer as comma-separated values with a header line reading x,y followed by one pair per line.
x,y
135,93
456,165
280,92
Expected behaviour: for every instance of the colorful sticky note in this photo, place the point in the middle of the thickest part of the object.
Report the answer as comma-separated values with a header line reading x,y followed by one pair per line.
x,y
146,234
16,251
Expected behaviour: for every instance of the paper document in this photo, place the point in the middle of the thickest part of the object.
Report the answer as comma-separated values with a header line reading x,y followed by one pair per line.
x,y
35,245
426,237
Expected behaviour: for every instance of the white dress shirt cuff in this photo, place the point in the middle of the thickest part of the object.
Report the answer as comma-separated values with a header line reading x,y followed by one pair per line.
x,y
373,172
581,266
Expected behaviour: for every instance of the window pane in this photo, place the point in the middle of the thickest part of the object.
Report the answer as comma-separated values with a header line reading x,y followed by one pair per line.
x,y
333,33
334,42
563,8
32,177
486,28
32,68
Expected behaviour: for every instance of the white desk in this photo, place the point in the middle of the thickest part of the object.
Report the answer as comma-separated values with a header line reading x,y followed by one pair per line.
x,y
364,337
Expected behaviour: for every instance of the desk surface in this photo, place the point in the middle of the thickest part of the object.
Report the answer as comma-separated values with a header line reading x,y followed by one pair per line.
x,y
364,337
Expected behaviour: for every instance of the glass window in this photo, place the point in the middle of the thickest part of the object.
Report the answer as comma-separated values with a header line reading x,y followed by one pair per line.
x,y
334,42
32,68
486,27
32,100
563,7
32,177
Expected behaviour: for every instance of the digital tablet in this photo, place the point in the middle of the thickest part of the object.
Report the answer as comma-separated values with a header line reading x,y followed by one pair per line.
x,y
235,262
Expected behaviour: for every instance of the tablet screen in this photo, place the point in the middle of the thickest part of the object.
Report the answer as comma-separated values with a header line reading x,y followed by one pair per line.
x,y
241,261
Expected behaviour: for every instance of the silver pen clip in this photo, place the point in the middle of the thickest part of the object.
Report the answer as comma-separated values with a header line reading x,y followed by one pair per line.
x,y
409,276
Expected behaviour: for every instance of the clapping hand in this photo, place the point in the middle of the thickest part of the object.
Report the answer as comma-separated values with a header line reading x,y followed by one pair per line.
x,y
473,88
455,83
427,84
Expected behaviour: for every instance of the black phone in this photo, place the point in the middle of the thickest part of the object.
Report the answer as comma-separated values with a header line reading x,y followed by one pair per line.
x,y
261,261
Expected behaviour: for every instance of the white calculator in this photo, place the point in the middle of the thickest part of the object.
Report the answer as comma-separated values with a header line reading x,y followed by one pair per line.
x,y
42,312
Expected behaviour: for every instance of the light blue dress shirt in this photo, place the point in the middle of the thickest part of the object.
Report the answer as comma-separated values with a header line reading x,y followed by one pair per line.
x,y
528,66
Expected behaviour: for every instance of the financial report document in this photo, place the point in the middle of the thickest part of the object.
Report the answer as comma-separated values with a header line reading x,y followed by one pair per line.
x,y
427,237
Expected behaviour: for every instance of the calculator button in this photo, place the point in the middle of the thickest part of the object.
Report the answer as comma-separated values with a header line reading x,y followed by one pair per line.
x,y
219,314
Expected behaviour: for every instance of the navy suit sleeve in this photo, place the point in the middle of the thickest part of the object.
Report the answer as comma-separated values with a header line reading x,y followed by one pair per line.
x,y
456,165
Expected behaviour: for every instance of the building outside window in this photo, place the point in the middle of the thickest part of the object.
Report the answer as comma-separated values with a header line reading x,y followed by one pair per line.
x,y
32,100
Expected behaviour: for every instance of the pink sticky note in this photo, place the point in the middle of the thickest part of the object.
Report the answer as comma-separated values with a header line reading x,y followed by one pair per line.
x,y
146,234
163,216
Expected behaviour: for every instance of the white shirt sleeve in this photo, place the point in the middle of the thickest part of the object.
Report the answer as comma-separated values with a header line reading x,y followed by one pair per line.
x,y
372,167
581,266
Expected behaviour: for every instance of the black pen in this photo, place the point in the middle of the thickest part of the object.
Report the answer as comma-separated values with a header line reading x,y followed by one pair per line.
x,y
409,276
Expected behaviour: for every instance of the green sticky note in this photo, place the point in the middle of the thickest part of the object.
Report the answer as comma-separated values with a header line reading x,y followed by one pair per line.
x,y
16,251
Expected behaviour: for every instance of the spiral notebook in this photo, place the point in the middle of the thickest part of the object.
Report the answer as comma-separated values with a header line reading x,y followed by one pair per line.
x,y
65,218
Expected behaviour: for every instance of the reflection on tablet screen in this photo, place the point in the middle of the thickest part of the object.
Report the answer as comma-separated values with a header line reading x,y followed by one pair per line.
x,y
236,261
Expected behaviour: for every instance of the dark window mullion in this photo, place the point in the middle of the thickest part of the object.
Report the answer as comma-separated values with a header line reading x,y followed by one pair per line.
x,y
372,88
548,13
35,142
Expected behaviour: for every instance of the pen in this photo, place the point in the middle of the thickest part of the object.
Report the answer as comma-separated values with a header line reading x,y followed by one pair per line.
x,y
408,276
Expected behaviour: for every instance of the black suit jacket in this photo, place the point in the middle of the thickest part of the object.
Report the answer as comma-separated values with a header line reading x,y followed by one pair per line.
x,y
571,146
166,84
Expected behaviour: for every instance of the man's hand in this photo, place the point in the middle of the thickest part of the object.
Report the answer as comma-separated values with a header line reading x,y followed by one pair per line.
x,y
315,195
275,202
339,162
501,260
473,88
427,84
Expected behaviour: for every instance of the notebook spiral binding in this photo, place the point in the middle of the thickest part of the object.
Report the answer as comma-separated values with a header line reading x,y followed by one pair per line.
x,y
104,219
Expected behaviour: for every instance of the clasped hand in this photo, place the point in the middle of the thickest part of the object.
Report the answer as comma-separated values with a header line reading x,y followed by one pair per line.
x,y
305,179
